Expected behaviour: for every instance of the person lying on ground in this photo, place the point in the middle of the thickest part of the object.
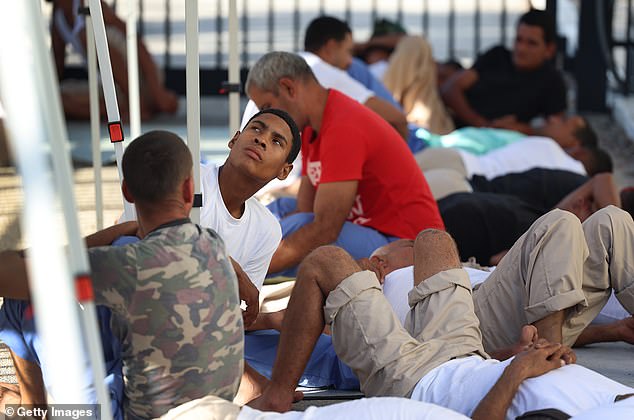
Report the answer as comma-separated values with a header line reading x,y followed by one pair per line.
x,y
353,164
531,152
68,28
438,356
479,96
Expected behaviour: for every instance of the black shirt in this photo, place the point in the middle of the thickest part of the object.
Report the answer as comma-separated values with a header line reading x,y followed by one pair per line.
x,y
502,90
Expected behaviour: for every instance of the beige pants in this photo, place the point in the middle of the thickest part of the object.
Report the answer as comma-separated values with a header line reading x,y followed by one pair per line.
x,y
388,359
558,264
208,408
444,182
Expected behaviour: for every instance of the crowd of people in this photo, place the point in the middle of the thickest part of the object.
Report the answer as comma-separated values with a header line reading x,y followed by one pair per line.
x,y
440,271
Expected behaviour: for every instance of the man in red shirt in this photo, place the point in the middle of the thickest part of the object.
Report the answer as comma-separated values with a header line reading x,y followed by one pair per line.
x,y
361,187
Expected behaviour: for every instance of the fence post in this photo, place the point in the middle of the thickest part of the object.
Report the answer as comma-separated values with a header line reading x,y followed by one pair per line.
x,y
590,65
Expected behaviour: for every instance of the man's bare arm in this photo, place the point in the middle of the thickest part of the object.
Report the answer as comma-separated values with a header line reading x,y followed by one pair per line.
x,y
333,202
453,93
108,235
14,279
529,364
305,196
389,113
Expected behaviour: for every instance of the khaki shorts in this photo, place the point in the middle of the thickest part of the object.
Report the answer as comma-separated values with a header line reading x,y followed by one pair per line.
x,y
386,358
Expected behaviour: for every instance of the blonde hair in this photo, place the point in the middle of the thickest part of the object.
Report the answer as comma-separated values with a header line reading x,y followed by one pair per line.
x,y
411,77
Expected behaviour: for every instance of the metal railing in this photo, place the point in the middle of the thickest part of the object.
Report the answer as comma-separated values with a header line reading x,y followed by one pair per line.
x,y
457,29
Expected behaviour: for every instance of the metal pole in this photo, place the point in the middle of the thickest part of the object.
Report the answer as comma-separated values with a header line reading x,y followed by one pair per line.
x,y
245,34
452,29
93,88
115,128
234,68
192,74
52,291
55,125
133,71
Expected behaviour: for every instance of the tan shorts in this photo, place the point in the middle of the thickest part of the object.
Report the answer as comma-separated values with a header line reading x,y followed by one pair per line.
x,y
209,408
440,158
386,358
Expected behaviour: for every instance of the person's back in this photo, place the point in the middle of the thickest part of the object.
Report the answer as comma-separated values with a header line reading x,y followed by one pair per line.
x,y
175,301
372,153
174,294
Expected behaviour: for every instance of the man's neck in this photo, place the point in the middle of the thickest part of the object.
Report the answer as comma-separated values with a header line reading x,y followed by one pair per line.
x,y
236,189
149,219
318,97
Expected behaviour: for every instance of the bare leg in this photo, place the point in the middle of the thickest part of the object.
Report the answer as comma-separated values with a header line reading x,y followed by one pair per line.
x,y
251,385
434,251
622,330
550,326
30,381
319,274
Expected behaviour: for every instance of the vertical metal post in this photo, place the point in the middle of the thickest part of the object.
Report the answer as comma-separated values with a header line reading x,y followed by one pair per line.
x,y
296,46
271,25
115,128
628,52
321,7
218,34
133,71
234,68
374,13
192,74
141,24
399,12
93,88
245,34
30,90
477,23
503,23
167,28
348,13
425,17
452,29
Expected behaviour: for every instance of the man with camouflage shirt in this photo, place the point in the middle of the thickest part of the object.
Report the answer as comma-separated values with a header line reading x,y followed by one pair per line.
x,y
173,294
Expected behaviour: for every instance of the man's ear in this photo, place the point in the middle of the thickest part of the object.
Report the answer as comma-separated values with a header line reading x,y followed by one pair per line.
x,y
187,190
283,173
234,139
288,85
126,192
379,260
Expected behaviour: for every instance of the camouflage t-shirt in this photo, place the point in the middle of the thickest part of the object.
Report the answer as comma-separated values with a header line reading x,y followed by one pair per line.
x,y
175,305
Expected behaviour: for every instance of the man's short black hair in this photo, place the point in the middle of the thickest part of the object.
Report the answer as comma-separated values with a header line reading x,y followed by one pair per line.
x,y
297,140
322,29
542,19
154,166
586,135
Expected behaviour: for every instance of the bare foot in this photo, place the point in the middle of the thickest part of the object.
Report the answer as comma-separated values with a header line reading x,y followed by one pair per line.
x,y
273,399
528,337
251,385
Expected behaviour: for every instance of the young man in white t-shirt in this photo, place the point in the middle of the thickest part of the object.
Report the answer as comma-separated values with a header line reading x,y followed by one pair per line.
x,y
436,357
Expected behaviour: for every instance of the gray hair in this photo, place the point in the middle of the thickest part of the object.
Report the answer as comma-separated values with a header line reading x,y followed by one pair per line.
x,y
271,67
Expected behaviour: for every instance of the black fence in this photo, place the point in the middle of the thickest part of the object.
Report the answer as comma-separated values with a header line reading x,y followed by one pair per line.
x,y
457,29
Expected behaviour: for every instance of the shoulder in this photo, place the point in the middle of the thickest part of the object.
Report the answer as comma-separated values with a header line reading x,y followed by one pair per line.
x,y
492,57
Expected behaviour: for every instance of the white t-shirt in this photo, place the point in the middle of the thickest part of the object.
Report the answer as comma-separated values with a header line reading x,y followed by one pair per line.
x,y
399,282
329,77
250,240
461,384
530,152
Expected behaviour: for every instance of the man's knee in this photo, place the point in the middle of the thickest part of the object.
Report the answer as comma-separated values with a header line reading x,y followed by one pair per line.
x,y
611,216
327,266
434,251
